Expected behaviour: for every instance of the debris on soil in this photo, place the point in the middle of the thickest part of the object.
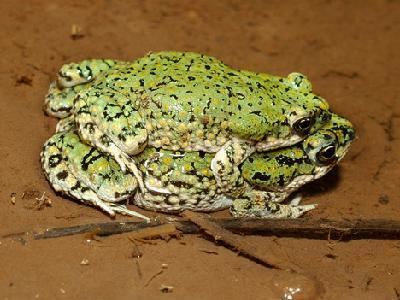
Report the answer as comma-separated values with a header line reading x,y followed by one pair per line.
x,y
237,243
85,262
288,286
208,251
366,282
383,199
166,288
13,197
30,194
23,80
337,73
76,32
42,202
136,255
155,275
331,256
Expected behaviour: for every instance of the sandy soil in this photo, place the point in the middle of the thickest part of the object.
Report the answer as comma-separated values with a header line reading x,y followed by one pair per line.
x,y
349,50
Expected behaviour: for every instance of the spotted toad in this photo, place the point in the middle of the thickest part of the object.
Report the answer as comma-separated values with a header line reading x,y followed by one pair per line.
x,y
185,101
176,180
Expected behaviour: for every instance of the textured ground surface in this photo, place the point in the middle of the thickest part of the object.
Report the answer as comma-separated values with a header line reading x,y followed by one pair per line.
x,y
349,50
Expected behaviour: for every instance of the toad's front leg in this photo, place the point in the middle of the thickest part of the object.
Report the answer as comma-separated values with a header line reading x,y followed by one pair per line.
x,y
225,164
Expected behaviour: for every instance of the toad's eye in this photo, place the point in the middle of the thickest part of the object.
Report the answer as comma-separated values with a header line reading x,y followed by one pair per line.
x,y
303,125
326,155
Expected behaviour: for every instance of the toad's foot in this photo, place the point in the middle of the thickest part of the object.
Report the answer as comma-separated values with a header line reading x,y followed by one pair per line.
x,y
270,210
110,208
226,161
123,210
260,204
296,199
85,71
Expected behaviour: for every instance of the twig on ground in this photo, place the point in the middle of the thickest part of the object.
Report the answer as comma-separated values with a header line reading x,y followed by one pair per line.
x,y
298,228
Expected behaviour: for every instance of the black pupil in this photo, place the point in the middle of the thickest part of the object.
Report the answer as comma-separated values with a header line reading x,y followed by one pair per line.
x,y
304,123
302,126
328,152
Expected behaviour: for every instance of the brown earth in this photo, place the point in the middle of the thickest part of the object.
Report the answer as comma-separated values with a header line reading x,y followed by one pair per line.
x,y
349,50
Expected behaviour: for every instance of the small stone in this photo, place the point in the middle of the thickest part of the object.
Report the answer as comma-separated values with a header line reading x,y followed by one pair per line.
x,y
383,199
13,197
166,288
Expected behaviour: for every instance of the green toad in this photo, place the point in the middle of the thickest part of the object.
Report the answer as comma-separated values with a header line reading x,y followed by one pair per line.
x,y
176,180
185,101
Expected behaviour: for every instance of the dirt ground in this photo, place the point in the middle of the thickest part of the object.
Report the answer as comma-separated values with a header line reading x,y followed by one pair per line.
x,y
349,50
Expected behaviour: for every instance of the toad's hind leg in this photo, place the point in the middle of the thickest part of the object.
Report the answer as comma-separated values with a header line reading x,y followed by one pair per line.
x,y
108,121
77,73
85,174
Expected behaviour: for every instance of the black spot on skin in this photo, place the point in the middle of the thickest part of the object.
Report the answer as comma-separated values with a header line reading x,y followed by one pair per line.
x,y
122,137
240,95
288,161
281,180
230,94
62,175
260,86
191,78
54,160
256,112
261,176
141,82
89,158
84,189
76,186
207,67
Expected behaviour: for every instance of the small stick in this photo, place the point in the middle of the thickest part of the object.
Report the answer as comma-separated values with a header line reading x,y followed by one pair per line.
x,y
298,228
234,242
154,231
